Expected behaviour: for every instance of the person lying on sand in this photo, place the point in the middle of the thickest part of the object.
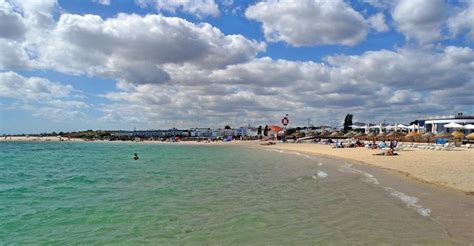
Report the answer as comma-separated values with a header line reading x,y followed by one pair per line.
x,y
388,152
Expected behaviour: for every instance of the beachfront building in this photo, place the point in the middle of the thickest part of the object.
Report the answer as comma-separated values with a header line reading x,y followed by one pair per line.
x,y
437,124
151,133
201,133
246,132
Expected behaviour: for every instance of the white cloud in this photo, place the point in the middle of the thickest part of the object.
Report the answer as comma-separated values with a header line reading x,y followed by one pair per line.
x,y
16,86
309,22
103,2
373,85
44,98
420,20
463,21
11,22
136,48
377,22
199,8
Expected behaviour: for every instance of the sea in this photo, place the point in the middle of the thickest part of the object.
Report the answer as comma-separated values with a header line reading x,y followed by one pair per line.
x,y
58,193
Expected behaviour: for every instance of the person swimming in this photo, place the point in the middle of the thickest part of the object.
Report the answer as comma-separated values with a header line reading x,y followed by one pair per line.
x,y
135,157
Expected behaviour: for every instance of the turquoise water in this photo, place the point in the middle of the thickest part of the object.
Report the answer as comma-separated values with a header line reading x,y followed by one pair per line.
x,y
58,193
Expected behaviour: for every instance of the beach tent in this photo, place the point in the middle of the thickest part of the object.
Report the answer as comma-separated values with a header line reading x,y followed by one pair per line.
x,y
453,125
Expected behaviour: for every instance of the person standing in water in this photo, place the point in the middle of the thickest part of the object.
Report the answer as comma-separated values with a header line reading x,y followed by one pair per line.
x,y
135,157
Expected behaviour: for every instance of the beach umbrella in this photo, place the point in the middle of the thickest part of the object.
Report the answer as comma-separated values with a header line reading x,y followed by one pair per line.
x,y
324,133
453,125
371,135
457,134
335,135
349,135
443,135
470,136
381,135
402,126
469,126
428,136
389,127
413,136
395,135
360,135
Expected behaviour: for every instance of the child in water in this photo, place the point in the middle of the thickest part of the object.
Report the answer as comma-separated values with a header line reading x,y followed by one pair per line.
x,y
135,157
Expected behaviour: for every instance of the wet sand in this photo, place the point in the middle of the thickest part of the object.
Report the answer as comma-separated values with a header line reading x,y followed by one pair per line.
x,y
453,169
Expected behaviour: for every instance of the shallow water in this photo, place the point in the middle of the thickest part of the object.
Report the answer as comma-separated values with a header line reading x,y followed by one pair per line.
x,y
57,193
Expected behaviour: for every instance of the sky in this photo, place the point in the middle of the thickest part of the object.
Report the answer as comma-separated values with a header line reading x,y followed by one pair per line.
x,y
156,64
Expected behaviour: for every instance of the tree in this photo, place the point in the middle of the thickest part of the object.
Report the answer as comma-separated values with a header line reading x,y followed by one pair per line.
x,y
265,131
348,123
290,131
259,130
227,127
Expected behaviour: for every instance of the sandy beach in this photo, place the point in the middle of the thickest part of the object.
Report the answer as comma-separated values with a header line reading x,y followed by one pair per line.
x,y
453,169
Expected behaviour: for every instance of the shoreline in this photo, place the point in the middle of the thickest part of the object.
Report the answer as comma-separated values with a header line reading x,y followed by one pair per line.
x,y
448,169
412,164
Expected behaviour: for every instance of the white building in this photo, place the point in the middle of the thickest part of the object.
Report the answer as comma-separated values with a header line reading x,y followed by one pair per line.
x,y
436,124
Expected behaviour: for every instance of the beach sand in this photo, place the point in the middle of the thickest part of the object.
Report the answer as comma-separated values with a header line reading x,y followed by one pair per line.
x,y
453,169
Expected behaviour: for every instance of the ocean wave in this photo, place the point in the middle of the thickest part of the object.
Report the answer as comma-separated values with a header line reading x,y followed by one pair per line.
x,y
369,178
410,201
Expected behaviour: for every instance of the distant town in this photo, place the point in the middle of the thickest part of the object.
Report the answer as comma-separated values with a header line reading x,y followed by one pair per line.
x,y
437,124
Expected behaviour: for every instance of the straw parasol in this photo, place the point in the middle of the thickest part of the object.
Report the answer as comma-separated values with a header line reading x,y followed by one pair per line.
x,y
413,136
443,135
371,134
324,133
457,134
470,136
360,135
395,135
428,136
349,135
335,135
381,136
